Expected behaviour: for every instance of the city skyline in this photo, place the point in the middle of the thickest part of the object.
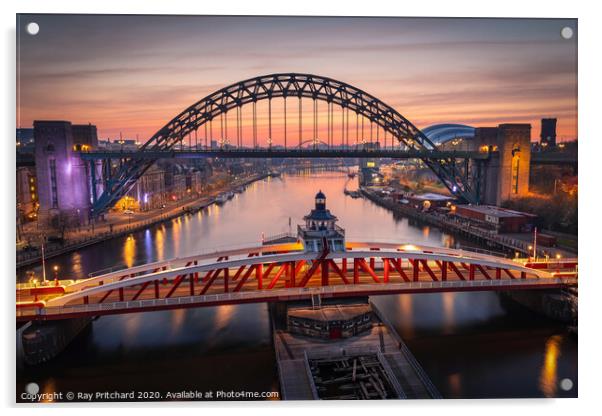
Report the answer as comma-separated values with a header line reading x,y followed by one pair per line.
x,y
131,74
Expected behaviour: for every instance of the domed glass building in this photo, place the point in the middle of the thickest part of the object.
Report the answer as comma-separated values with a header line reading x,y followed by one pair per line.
x,y
451,136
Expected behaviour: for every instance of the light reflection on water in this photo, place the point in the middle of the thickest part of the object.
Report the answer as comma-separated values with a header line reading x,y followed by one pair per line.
x,y
129,251
448,299
549,378
469,343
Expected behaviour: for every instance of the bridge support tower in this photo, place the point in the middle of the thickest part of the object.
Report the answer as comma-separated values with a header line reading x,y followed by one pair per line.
x,y
506,174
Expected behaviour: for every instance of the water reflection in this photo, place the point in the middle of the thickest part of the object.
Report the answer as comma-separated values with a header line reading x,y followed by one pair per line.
x,y
407,311
132,325
548,380
455,384
77,264
448,299
223,316
48,390
160,243
129,251
175,235
178,317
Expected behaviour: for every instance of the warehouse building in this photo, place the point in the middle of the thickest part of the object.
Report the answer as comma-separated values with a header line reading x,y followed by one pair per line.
x,y
495,218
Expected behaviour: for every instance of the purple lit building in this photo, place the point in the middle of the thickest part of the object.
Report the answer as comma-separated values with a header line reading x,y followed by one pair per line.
x,y
63,178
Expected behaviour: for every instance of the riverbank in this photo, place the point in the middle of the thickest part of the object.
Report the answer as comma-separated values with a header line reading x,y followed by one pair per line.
x,y
108,231
481,236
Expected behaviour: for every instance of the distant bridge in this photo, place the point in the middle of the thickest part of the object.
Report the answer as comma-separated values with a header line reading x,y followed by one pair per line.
x,y
381,120
537,158
377,130
281,272
291,153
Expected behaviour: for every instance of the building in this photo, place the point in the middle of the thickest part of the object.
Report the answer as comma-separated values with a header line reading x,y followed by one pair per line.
x,y
426,201
149,190
498,219
369,169
117,145
27,198
505,175
64,179
85,136
320,225
330,322
547,137
451,137
25,142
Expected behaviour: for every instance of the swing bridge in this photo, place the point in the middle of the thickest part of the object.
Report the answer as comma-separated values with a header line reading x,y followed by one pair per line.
x,y
284,272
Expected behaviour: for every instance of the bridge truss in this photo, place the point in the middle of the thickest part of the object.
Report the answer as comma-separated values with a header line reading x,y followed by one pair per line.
x,y
285,272
287,86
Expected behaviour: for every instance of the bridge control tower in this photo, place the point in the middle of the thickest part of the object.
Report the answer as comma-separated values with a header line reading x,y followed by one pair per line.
x,y
320,225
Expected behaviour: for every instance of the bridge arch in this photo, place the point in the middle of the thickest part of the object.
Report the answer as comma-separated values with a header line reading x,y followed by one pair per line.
x,y
283,85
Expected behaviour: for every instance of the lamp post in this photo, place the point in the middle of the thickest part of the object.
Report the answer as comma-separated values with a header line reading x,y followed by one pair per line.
x,y
55,269
43,260
535,244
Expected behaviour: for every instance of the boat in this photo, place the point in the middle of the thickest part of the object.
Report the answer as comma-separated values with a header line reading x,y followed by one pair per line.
x,y
221,199
352,194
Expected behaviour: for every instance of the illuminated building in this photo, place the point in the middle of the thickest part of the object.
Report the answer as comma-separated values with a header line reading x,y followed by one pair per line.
x,y
63,178
320,225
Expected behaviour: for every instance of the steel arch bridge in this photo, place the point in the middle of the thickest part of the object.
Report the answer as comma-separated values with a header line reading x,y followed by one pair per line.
x,y
283,85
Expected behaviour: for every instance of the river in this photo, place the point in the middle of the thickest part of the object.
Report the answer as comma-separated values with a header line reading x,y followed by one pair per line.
x,y
472,345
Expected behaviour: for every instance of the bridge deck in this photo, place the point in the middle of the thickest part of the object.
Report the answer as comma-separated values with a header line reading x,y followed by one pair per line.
x,y
265,274
262,153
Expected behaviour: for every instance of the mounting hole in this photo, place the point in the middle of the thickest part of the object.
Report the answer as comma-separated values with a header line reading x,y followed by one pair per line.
x,y
32,28
566,384
32,388
566,33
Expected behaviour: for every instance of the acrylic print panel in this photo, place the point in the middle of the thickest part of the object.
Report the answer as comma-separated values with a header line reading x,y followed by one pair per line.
x,y
295,208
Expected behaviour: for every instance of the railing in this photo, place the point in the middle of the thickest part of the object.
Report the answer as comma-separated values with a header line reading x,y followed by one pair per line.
x,y
310,377
279,236
318,232
296,293
391,376
385,151
426,381
483,251
328,352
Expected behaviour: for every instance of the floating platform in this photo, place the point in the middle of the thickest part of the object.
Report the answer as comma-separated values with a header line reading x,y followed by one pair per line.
x,y
313,368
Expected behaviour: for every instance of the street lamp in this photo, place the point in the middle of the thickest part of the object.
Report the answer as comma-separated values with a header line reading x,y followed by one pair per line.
x,y
55,269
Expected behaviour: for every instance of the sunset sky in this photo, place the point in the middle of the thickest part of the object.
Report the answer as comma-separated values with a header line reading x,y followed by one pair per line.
x,y
132,74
